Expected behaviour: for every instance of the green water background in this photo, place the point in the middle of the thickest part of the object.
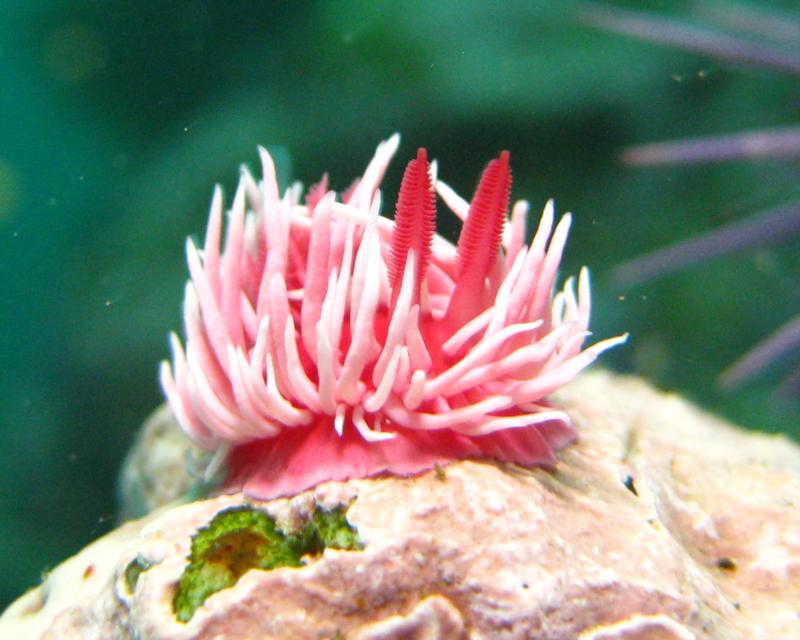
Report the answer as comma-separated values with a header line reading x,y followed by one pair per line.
x,y
117,118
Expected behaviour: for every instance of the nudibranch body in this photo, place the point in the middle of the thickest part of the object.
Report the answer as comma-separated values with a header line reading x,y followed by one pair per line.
x,y
326,342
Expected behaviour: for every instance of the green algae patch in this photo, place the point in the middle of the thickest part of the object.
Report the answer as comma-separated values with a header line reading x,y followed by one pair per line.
x,y
135,568
330,529
243,538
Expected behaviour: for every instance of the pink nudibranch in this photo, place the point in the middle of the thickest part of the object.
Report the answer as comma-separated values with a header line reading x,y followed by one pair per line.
x,y
326,342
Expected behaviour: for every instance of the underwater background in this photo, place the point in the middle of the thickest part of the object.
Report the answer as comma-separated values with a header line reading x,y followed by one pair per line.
x,y
117,118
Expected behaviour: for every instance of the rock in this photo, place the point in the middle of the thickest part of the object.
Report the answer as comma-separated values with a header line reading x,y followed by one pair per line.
x,y
663,522
155,472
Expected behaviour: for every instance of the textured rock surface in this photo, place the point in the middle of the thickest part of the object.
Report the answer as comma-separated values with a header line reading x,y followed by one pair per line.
x,y
155,470
662,523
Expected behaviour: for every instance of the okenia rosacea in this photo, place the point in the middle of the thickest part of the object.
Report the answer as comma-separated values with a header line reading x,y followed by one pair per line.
x,y
326,342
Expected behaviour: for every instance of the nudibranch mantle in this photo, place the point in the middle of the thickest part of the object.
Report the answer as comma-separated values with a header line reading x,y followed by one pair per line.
x,y
327,342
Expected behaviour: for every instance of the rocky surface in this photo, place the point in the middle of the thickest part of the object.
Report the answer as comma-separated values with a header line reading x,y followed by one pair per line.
x,y
662,523
155,471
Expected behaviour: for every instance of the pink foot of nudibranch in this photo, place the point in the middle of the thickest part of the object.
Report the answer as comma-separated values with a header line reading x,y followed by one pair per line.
x,y
327,342
306,456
